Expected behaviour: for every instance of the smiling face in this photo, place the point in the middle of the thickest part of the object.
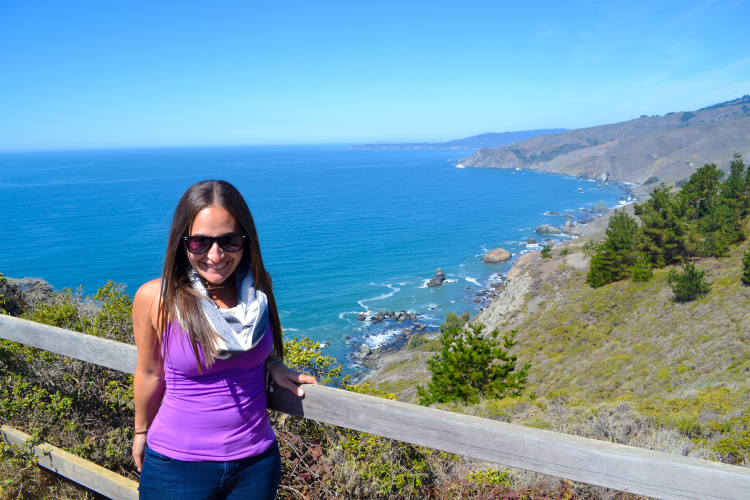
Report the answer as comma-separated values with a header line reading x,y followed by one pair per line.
x,y
216,265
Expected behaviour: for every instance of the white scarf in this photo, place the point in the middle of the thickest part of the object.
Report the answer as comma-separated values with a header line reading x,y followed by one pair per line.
x,y
240,328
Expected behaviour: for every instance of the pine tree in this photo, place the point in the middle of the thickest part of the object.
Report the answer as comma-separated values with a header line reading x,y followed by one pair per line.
x,y
615,256
719,229
717,208
664,229
690,284
471,366
642,268
700,190
746,267
734,189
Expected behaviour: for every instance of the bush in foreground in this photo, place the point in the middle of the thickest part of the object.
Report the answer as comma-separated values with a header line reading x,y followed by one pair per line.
x,y
471,366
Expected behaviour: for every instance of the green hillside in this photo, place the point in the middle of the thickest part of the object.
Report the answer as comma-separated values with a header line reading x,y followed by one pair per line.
x,y
622,362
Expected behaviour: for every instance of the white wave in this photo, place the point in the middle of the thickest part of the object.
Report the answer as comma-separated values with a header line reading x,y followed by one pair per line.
x,y
378,339
472,280
484,249
424,285
449,280
394,289
291,329
341,315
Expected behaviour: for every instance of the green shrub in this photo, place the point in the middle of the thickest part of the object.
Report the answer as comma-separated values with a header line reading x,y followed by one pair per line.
x,y
416,340
565,251
651,180
366,388
489,476
471,366
546,252
303,354
686,116
82,408
746,267
452,320
689,284
642,268
385,467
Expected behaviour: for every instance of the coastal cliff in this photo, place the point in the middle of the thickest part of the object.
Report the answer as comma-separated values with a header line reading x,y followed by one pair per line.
x,y
644,151
488,140
624,340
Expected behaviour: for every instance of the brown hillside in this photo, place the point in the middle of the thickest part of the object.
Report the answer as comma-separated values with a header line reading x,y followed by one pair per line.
x,y
665,147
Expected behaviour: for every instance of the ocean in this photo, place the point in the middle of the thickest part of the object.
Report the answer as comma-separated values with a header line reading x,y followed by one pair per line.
x,y
342,231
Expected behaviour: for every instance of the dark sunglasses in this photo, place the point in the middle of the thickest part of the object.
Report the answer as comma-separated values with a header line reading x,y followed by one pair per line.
x,y
231,242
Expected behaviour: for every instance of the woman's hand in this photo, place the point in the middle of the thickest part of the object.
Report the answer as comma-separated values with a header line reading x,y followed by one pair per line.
x,y
288,378
139,449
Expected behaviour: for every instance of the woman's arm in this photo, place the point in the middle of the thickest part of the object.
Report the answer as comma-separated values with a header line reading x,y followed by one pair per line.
x,y
148,383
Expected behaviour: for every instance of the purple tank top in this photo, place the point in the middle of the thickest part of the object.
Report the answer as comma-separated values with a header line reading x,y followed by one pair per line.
x,y
219,415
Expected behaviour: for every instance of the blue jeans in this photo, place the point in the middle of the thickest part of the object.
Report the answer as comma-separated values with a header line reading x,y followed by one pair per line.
x,y
165,478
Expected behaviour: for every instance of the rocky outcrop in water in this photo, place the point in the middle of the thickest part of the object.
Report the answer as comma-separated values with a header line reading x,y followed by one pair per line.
x,y
364,351
496,255
571,229
547,229
393,315
438,279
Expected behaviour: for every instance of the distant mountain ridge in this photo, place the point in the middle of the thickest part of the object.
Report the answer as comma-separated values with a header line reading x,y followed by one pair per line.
x,y
669,148
488,140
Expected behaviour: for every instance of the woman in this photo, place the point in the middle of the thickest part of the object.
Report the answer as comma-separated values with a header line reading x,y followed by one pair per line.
x,y
207,333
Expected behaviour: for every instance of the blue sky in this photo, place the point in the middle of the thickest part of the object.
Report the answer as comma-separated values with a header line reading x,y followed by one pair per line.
x,y
85,74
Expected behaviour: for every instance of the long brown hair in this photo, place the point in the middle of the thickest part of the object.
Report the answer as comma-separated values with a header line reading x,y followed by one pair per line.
x,y
178,299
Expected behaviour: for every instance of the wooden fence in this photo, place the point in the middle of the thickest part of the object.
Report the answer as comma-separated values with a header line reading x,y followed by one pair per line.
x,y
635,470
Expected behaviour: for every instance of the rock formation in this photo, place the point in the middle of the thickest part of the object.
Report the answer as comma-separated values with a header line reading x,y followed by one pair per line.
x,y
547,229
496,255
364,351
437,279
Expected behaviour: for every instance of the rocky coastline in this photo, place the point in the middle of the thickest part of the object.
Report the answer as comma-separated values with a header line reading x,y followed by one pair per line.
x,y
400,327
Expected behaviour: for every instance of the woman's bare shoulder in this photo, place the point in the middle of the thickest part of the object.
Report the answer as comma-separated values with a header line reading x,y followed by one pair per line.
x,y
147,293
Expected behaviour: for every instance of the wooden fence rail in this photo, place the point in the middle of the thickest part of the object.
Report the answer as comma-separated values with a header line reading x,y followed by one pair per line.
x,y
635,470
